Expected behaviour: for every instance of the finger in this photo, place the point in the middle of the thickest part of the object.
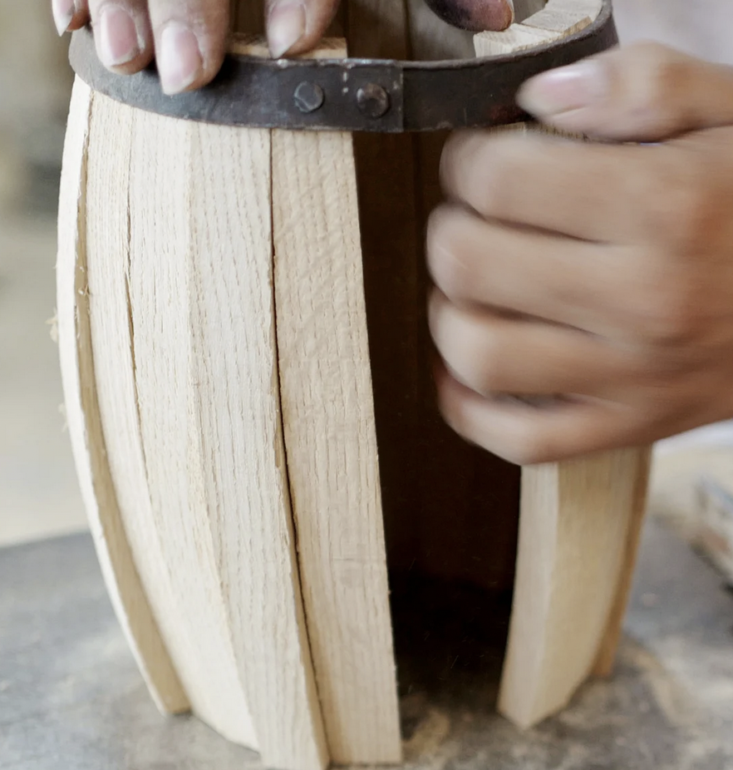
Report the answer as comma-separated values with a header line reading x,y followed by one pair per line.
x,y
190,41
582,190
490,355
475,15
70,14
526,434
296,26
646,92
122,34
593,287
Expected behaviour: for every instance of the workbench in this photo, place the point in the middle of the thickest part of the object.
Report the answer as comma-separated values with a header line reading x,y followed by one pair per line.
x,y
71,697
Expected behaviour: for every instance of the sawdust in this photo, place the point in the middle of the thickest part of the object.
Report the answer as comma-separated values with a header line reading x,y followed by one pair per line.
x,y
426,745
670,694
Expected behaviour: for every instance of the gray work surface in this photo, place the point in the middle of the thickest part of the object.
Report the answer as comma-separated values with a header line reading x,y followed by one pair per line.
x,y
71,697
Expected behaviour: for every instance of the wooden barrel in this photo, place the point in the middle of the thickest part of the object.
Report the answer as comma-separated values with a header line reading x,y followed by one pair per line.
x,y
247,372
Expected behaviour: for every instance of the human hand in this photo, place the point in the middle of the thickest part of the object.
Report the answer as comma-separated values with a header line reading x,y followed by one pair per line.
x,y
585,291
187,37
475,15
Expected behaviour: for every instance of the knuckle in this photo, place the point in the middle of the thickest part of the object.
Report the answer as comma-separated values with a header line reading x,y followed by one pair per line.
x,y
661,74
490,366
669,315
477,169
459,155
526,445
498,170
489,358
694,223
661,366
682,207
529,453
474,353
449,266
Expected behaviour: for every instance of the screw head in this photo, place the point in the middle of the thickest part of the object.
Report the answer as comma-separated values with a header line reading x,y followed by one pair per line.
x,y
309,97
373,101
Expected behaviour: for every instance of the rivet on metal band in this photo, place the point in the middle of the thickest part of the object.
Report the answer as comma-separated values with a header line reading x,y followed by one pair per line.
x,y
373,101
309,97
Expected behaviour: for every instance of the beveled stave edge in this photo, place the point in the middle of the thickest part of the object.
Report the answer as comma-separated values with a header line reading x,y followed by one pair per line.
x,y
421,96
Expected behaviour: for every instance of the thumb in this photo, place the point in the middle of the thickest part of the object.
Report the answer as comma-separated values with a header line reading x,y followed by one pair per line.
x,y
646,92
296,26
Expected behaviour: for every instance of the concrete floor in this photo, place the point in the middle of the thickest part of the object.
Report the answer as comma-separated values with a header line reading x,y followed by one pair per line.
x,y
71,697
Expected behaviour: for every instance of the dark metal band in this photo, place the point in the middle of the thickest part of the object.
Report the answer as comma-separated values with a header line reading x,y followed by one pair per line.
x,y
350,94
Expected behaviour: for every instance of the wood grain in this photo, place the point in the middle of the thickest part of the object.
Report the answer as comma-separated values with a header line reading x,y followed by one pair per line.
x,y
85,423
181,379
206,369
330,439
187,604
606,659
237,408
573,556
519,37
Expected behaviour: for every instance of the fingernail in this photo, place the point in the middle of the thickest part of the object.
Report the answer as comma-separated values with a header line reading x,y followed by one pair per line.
x,y
285,26
63,13
117,38
179,58
561,90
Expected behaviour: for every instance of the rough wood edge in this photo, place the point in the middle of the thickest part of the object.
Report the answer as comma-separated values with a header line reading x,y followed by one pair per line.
x,y
241,44
609,646
578,519
187,602
77,368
